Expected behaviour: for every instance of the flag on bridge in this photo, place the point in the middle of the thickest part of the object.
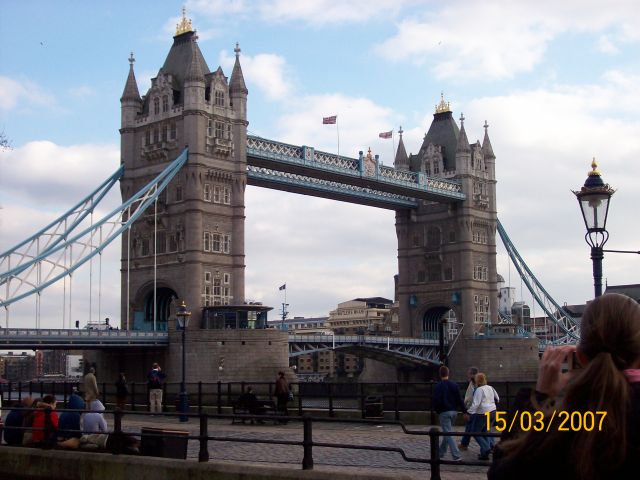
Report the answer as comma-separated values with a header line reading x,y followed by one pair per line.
x,y
388,134
283,287
329,120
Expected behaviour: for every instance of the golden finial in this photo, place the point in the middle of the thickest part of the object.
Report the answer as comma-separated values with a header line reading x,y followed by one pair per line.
x,y
443,106
185,24
594,168
369,153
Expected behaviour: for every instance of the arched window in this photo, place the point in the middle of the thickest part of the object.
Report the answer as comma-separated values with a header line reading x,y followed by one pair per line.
x,y
165,103
156,105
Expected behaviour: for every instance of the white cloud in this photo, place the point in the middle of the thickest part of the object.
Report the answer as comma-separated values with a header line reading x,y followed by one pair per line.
x,y
497,39
39,182
360,120
82,91
22,93
312,12
268,72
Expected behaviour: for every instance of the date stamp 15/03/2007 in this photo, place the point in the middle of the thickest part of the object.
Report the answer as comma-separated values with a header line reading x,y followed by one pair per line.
x,y
562,420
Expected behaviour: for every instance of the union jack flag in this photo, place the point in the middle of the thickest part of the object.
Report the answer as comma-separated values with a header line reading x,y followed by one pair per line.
x,y
329,120
386,134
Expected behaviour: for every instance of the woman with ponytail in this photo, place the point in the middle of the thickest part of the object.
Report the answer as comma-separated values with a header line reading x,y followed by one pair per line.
x,y
608,381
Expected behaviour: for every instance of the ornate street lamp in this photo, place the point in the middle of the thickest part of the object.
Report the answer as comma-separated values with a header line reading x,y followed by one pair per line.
x,y
183,315
594,197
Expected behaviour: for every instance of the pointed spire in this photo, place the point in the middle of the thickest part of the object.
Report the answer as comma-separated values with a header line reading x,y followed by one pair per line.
x,y
195,71
487,150
463,142
402,160
237,85
131,91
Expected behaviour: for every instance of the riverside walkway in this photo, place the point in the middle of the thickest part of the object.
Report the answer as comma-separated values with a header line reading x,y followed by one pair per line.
x,y
341,461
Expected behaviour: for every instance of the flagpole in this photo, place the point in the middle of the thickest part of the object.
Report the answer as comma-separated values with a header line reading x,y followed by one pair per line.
x,y
338,133
393,148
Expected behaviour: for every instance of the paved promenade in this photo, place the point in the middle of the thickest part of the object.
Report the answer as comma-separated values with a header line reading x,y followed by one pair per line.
x,y
327,459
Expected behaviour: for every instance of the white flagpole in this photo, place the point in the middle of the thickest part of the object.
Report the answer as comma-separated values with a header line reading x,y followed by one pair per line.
x,y
338,133
393,147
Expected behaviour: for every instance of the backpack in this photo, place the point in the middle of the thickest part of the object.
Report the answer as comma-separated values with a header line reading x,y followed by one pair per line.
x,y
154,379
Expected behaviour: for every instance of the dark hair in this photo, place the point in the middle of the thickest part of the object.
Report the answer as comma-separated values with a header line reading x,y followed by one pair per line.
x,y
610,339
50,399
444,371
473,370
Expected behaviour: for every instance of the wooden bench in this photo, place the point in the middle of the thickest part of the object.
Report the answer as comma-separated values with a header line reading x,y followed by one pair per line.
x,y
266,407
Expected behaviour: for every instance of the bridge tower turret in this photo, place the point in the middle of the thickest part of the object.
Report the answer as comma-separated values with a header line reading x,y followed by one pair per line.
x,y
191,245
447,252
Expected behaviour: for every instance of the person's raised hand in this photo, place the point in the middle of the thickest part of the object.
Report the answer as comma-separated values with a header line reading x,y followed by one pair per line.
x,y
551,379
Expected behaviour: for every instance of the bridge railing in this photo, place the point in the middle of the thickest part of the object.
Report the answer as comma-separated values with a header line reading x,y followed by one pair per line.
x,y
120,439
330,398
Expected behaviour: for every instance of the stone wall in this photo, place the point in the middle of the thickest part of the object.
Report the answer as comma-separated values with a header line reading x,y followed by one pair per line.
x,y
19,463
211,356
501,359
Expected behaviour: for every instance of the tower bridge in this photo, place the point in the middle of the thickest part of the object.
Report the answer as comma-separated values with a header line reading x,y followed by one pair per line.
x,y
183,232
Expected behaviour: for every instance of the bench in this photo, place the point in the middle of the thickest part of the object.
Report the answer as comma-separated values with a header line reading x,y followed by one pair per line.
x,y
265,407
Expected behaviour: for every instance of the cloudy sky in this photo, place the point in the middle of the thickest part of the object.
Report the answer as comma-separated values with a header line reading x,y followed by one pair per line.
x,y
556,81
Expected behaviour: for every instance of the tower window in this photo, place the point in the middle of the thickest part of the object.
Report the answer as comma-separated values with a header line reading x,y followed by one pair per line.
x,y
210,128
172,134
219,98
165,103
147,137
226,278
216,243
173,243
216,194
207,277
161,242
226,243
144,247
178,193
227,196
156,135
156,105
219,130
165,132
207,192
207,241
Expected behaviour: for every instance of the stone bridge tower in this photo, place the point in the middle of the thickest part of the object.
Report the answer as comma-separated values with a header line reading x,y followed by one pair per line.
x,y
447,255
197,228
447,252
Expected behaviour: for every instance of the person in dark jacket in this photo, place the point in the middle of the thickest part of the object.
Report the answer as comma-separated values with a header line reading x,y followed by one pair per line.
x,y
122,392
13,424
447,402
604,392
69,423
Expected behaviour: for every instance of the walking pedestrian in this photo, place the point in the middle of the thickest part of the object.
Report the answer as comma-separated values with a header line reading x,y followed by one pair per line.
x,y
602,384
484,403
468,400
155,380
122,392
282,395
90,386
447,402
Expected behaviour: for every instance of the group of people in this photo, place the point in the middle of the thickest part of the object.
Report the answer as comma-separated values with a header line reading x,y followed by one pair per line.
x,y
283,394
479,403
37,423
599,377
155,382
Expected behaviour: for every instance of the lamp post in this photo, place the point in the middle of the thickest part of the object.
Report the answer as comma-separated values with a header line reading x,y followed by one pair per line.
x,y
594,197
183,315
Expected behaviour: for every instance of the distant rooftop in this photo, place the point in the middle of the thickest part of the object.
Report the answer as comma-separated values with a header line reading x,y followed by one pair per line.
x,y
632,290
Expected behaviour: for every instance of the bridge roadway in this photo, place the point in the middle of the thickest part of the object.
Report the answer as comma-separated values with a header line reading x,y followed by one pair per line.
x,y
411,350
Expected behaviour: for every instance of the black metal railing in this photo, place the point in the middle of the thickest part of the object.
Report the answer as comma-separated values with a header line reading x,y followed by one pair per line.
x,y
309,398
307,443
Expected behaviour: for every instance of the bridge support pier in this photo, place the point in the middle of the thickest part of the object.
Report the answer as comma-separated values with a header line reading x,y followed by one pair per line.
x,y
501,359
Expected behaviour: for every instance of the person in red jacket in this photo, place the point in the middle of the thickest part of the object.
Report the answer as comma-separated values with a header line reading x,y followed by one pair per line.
x,y
45,422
